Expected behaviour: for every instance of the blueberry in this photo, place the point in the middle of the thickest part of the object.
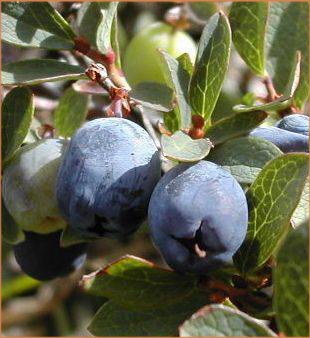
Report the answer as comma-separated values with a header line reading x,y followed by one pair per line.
x,y
198,217
285,140
29,184
107,177
41,257
296,123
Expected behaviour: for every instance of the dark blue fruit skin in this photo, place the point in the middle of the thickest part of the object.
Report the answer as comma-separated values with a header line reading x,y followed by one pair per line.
x,y
42,258
107,177
198,204
296,123
285,140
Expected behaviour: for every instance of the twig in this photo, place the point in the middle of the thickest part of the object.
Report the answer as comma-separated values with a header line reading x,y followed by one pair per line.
x,y
272,94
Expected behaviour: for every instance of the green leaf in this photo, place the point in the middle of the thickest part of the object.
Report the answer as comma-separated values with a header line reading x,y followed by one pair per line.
x,y
301,213
113,320
291,284
183,148
218,320
272,199
244,157
95,21
146,285
70,112
171,120
36,71
248,24
35,25
234,125
178,78
210,66
17,113
288,32
10,230
279,104
186,63
153,95
202,10
115,36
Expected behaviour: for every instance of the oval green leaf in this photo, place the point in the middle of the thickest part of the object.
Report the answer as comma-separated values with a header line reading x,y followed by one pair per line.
x,y
35,25
181,147
218,320
36,71
17,113
272,199
71,112
244,157
210,66
291,284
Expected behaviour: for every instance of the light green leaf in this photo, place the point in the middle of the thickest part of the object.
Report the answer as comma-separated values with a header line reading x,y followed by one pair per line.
x,y
234,125
279,104
248,24
244,157
115,36
301,213
210,66
17,113
291,284
218,320
183,148
95,21
11,232
287,32
35,25
272,199
147,286
113,320
36,71
178,78
186,63
153,95
70,112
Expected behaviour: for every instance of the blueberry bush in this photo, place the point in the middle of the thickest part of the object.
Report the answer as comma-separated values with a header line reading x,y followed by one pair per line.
x,y
155,169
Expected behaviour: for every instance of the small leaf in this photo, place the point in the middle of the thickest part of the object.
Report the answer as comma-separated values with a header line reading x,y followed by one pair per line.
x,y
147,286
244,157
272,199
279,104
104,32
294,78
114,41
234,125
210,66
186,63
71,112
36,71
153,95
248,24
291,284
113,320
202,10
17,113
178,78
288,32
35,25
301,213
218,320
183,148
95,21
11,232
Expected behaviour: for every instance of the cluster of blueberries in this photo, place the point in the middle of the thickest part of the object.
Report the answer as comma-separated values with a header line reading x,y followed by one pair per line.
x,y
107,178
